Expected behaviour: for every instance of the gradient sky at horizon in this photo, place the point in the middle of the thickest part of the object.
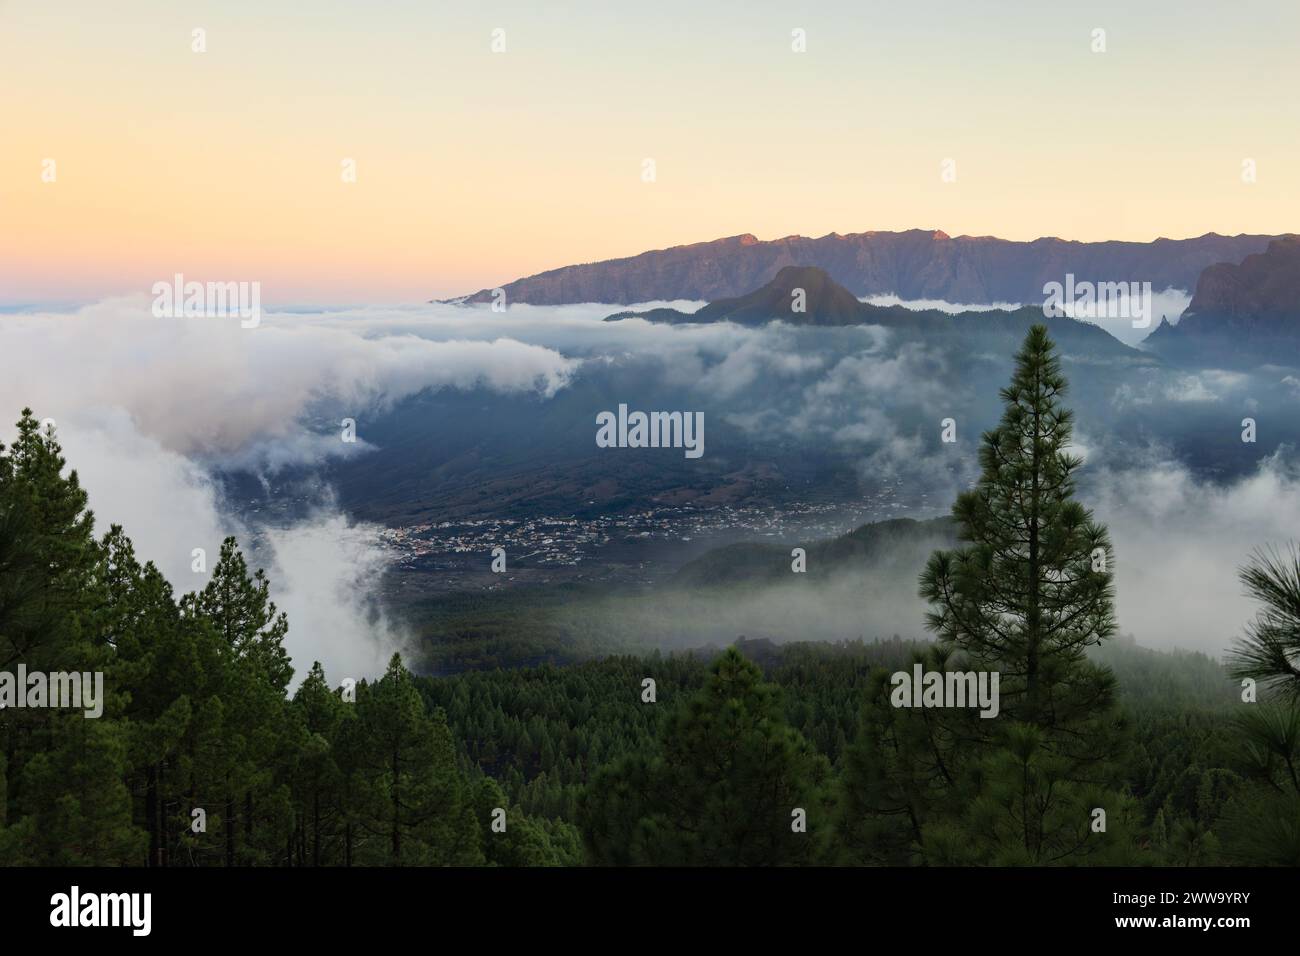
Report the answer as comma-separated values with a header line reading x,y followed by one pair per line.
x,y
474,167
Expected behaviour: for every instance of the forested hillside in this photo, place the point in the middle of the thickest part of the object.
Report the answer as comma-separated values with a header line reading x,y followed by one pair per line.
x,y
545,732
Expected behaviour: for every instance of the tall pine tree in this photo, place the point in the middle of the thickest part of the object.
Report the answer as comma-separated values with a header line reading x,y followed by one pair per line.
x,y
1025,595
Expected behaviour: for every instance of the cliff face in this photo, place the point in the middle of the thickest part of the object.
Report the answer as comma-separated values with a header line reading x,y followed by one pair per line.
x,y
1263,288
914,265
1249,310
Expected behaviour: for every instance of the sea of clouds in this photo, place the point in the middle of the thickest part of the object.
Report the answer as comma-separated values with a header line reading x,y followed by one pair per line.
x,y
147,409
1167,304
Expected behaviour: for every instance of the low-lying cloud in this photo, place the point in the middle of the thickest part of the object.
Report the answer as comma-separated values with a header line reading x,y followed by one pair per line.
x,y
149,409
1179,541
146,408
208,386
1168,305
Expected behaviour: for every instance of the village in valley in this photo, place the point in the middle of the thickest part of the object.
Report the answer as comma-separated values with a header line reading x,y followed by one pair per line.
x,y
637,547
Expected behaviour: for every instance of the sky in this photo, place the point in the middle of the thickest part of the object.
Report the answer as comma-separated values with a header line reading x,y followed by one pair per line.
x,y
475,167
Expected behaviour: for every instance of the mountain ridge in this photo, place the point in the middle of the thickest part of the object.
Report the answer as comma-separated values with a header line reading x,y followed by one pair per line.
x,y
1248,311
912,264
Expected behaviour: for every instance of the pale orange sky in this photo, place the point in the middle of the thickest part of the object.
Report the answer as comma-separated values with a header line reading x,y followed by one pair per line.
x,y
475,167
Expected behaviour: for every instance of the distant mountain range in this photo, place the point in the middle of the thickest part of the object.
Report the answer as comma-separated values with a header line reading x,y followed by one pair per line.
x,y
1241,314
827,303
916,264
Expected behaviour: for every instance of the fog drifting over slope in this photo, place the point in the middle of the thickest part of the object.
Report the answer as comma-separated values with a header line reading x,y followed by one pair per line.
x,y
146,408
1178,543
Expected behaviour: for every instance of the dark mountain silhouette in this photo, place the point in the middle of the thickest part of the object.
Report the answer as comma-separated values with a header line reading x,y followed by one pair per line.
x,y
1241,314
819,298
916,264
827,303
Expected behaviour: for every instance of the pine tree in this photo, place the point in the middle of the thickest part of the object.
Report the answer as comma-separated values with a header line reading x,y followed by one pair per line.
x,y
1032,588
246,736
721,786
1270,651
67,801
1261,825
414,796
240,607
1027,592
136,615
48,551
902,774
317,776
195,716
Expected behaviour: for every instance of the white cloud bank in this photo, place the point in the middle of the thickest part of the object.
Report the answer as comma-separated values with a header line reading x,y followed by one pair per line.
x,y
1179,542
144,407
1169,304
